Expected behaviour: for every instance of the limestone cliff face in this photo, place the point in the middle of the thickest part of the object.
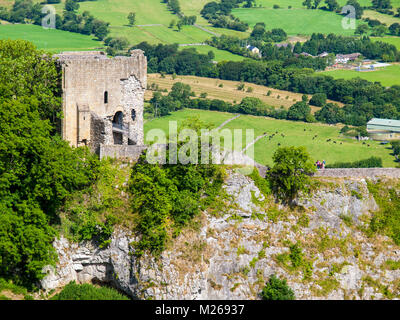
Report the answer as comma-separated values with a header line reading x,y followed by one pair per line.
x,y
232,254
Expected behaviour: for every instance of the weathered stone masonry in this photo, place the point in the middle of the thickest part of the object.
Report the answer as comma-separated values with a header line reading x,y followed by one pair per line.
x,y
103,100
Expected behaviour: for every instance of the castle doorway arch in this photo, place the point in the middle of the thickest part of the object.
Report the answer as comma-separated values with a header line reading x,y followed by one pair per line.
x,y
118,127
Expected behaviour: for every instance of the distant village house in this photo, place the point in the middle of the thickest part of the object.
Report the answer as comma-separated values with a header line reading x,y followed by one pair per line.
x,y
254,50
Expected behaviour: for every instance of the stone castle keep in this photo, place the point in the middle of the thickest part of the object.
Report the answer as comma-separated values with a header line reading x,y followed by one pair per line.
x,y
103,100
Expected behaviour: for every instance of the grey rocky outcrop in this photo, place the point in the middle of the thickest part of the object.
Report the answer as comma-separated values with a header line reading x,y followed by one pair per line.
x,y
236,251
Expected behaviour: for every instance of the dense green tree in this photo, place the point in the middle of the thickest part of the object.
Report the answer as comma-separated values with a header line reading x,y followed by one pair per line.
x,y
71,5
37,77
299,111
381,4
100,29
291,172
379,31
308,4
394,29
131,18
333,5
318,99
38,170
330,113
174,6
362,29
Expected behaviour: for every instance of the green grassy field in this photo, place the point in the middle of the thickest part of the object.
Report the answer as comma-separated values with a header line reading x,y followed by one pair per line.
x,y
387,76
220,55
391,40
319,148
294,21
149,12
49,39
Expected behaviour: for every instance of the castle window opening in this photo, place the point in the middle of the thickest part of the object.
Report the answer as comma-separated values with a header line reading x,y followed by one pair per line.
x,y
105,96
133,114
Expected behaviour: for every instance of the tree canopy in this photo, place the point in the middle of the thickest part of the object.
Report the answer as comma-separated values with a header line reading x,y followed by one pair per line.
x,y
38,170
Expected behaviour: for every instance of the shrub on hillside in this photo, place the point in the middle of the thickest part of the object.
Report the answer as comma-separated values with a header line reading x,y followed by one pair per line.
x,y
73,291
277,289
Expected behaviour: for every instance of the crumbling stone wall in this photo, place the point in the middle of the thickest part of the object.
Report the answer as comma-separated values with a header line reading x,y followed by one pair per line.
x,y
121,151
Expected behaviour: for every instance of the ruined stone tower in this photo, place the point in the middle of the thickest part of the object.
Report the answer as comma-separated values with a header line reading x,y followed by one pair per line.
x,y
103,101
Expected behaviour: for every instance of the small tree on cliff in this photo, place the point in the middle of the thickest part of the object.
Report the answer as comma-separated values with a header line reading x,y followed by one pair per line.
x,y
277,289
291,172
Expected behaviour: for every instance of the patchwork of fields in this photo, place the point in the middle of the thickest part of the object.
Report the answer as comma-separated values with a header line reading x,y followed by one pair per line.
x,y
227,90
289,134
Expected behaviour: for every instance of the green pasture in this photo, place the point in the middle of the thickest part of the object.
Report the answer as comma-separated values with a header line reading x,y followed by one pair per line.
x,y
152,21
149,12
295,21
387,76
49,39
391,40
220,55
295,134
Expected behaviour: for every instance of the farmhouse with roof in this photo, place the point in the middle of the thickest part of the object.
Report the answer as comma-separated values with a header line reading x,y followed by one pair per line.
x,y
254,50
383,129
